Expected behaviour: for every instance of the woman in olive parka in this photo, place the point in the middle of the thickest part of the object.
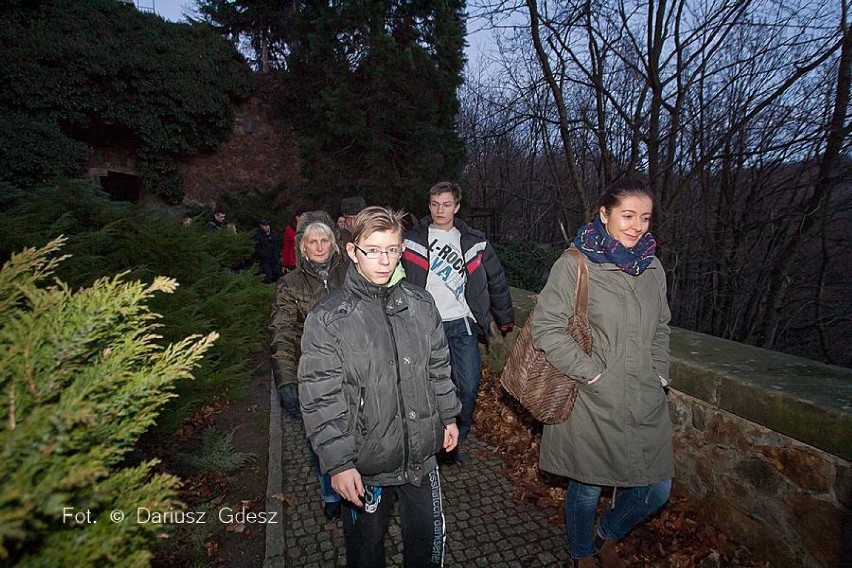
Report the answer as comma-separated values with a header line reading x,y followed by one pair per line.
x,y
619,433
319,269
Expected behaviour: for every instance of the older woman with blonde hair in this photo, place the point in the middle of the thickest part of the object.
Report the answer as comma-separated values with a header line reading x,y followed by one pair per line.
x,y
319,269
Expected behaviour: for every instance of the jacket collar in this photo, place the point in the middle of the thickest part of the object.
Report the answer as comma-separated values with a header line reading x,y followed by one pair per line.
x,y
308,268
458,223
363,288
391,296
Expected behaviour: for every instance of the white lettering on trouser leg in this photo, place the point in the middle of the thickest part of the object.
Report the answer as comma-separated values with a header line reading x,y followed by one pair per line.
x,y
439,535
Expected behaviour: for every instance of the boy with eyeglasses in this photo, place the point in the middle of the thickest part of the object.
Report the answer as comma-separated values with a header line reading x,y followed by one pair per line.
x,y
377,399
459,268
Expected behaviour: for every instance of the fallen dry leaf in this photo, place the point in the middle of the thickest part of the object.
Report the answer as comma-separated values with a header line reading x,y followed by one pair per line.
x,y
236,527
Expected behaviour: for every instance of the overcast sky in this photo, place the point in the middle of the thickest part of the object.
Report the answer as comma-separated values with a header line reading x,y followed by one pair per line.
x,y
169,9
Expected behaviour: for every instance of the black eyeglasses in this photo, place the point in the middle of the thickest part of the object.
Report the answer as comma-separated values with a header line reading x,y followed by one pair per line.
x,y
374,253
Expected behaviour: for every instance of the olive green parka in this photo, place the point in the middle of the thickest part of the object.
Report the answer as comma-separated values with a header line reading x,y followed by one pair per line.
x,y
619,433
297,293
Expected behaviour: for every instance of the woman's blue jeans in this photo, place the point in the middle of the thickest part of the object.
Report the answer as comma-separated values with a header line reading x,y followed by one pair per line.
x,y
327,492
632,506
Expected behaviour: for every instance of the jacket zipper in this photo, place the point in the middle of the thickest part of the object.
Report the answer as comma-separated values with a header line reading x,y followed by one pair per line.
x,y
400,402
361,393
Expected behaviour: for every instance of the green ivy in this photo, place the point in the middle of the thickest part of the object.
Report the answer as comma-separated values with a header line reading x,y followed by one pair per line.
x,y
100,73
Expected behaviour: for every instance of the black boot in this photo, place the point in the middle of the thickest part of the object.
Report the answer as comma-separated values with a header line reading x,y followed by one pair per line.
x,y
331,510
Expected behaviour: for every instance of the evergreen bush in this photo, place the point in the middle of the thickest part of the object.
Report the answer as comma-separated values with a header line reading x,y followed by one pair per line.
x,y
217,292
527,265
82,376
371,88
217,454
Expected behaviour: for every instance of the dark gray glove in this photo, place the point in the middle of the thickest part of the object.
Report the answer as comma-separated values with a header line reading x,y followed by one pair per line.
x,y
289,397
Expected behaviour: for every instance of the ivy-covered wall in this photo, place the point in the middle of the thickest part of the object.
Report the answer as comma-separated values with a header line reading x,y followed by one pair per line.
x,y
83,74
259,154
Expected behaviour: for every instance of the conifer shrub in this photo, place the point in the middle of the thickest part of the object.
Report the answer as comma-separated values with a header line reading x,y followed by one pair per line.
x,y
82,375
527,265
216,454
220,290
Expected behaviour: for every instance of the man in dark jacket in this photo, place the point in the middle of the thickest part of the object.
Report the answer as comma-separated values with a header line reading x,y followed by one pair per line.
x,y
349,209
267,251
377,399
216,222
459,268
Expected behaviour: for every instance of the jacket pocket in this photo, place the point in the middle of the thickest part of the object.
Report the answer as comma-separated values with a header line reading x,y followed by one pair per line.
x,y
431,399
435,419
360,422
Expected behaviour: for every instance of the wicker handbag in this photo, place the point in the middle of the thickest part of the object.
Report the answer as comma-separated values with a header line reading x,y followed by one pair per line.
x,y
547,393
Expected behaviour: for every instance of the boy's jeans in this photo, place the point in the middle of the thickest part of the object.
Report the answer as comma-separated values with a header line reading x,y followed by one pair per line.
x,y
465,362
327,492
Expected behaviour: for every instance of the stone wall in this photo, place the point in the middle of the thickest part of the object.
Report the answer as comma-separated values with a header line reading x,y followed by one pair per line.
x,y
259,154
762,442
788,502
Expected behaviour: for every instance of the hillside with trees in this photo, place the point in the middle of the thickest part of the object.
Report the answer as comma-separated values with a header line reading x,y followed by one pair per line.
x,y
737,113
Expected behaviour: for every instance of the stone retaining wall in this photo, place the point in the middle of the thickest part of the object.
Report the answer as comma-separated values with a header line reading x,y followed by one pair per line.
x,y
788,502
762,442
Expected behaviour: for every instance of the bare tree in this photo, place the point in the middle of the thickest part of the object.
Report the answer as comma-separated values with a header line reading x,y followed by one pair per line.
x,y
722,104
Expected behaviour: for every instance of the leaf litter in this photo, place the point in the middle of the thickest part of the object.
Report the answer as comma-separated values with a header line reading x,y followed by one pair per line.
x,y
676,537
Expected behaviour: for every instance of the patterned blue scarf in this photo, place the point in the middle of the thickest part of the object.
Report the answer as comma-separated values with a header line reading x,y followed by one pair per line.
x,y
599,247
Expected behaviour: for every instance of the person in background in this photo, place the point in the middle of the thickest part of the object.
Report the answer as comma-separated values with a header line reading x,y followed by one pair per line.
x,y
459,268
267,251
377,399
410,221
619,433
217,222
349,209
319,269
288,248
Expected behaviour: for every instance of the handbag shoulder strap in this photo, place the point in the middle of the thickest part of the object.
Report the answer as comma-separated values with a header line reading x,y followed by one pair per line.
x,y
581,288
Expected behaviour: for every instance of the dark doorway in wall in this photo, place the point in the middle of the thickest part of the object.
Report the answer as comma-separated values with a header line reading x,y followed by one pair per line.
x,y
121,187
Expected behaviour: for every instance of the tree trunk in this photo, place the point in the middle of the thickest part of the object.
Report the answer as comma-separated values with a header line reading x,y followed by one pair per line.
x,y
562,111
